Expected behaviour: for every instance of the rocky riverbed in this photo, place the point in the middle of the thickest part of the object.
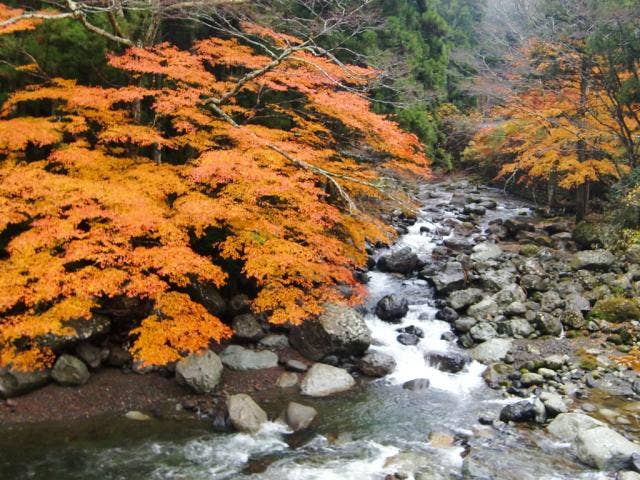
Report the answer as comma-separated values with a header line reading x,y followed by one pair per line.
x,y
488,348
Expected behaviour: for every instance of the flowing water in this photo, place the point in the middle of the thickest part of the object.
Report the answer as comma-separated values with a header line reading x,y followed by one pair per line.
x,y
376,430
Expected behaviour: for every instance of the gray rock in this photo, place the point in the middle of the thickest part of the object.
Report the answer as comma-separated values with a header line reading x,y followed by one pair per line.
x,y
483,331
200,371
463,298
209,296
240,358
486,309
416,384
534,283
339,330
15,382
577,302
556,362
91,355
530,378
392,308
486,251
452,277
245,414
299,416
70,371
239,304
464,324
287,380
376,364
510,294
633,254
246,327
605,449
519,328
550,300
497,279
553,403
84,329
491,351
447,314
524,411
566,426
592,260
628,476
408,339
274,341
296,365
515,308
548,324
401,261
322,380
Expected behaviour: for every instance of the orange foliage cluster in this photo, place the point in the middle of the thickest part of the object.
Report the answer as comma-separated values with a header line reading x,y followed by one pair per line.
x,y
103,197
552,131
7,14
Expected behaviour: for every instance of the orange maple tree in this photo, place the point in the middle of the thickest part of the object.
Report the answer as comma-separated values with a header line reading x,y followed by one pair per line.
x,y
559,129
209,157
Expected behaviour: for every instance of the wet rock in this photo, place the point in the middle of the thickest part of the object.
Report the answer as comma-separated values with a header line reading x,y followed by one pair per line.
x,y
322,380
137,416
486,251
70,371
491,351
401,261
592,260
408,339
483,331
450,362
246,327
629,475
339,330
548,324
200,371
473,470
488,418
452,277
299,416
15,382
287,380
524,411
376,364
474,209
447,314
245,414
416,384
413,330
392,308
605,449
463,298
239,358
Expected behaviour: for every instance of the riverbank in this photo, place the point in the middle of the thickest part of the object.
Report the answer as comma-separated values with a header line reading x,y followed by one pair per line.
x,y
479,292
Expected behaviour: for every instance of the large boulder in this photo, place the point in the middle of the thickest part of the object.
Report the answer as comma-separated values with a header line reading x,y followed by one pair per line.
x,y
15,382
339,330
239,358
392,308
592,260
83,329
70,371
298,417
491,351
452,277
376,364
322,380
401,261
200,371
245,414
605,449
566,426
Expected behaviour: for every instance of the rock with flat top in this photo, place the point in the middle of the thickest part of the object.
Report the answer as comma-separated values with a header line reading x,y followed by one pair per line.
x,y
323,380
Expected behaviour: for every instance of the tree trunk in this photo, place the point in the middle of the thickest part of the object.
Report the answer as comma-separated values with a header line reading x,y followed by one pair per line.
x,y
582,199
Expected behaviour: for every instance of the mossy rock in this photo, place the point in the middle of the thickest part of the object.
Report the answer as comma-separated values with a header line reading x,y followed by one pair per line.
x,y
529,250
588,235
588,362
616,309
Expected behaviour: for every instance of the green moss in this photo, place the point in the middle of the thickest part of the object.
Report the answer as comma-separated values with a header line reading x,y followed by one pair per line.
x,y
616,309
588,362
529,250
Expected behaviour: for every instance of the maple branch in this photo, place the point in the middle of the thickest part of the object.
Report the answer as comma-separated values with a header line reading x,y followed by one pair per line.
x,y
80,15
33,16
